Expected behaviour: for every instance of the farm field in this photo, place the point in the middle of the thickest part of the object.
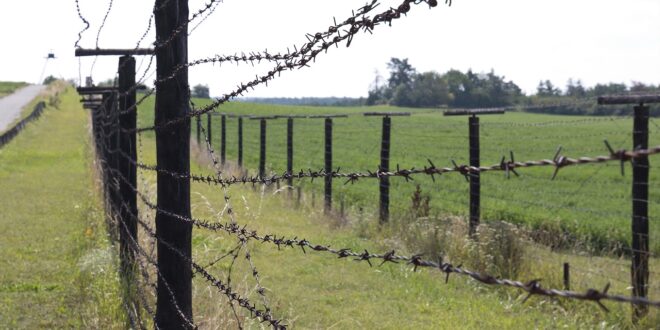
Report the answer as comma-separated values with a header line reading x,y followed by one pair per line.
x,y
8,87
590,203
319,291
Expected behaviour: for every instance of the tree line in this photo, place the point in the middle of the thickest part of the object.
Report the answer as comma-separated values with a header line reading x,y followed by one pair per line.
x,y
407,87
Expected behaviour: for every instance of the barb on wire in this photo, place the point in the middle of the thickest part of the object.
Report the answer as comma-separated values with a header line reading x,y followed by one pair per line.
x,y
558,162
532,287
356,23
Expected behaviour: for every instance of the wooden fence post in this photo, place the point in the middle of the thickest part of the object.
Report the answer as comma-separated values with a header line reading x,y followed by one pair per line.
x,y
289,153
640,220
198,119
475,184
640,193
240,141
262,147
173,155
474,178
127,169
208,128
567,276
385,166
223,139
327,206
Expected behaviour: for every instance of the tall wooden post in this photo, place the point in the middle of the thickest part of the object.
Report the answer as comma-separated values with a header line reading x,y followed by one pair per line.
x,y
223,139
209,135
640,194
240,141
327,206
262,147
385,166
289,153
198,119
640,212
127,144
475,184
474,178
173,155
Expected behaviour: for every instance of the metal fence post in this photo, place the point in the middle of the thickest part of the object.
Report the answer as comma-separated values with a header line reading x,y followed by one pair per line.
x,y
173,155
567,276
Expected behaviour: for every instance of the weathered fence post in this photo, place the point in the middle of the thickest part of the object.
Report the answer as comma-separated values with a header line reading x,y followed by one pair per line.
x,y
474,177
640,220
173,155
198,119
208,128
127,169
567,276
262,147
640,194
240,141
113,159
289,153
384,181
223,139
327,206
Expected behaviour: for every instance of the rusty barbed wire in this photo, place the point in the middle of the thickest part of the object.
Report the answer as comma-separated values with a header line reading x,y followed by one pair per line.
x,y
356,24
85,21
532,287
264,315
507,166
183,26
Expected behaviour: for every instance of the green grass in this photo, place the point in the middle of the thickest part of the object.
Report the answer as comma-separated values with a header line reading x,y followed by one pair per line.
x,y
320,291
589,203
57,268
8,87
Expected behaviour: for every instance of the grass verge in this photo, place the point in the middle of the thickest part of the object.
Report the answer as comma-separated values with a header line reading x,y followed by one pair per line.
x,y
57,268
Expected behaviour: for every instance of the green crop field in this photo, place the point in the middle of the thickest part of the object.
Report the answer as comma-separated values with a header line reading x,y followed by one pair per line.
x,y
590,203
316,291
8,87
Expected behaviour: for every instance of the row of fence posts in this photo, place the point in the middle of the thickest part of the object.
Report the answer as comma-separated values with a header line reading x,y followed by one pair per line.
x,y
11,133
114,132
640,174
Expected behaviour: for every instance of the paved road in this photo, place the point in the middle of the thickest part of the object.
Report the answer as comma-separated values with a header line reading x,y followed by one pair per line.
x,y
11,105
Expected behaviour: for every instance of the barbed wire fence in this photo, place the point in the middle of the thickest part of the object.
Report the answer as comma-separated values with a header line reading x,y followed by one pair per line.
x,y
167,278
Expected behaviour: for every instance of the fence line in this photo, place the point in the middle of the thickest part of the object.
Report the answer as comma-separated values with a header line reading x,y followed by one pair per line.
x,y
117,137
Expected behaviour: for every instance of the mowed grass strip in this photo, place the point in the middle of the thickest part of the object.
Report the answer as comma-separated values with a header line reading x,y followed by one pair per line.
x,y
57,268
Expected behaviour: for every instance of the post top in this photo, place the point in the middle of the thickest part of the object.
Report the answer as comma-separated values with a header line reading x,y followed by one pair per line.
x,y
474,112
629,99
385,114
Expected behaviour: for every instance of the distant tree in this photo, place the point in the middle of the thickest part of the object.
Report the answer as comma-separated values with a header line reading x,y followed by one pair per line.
x,y
107,82
401,72
605,89
201,91
546,88
575,88
430,90
49,80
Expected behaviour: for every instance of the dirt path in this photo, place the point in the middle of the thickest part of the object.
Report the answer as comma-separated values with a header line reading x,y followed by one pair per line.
x,y
11,105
